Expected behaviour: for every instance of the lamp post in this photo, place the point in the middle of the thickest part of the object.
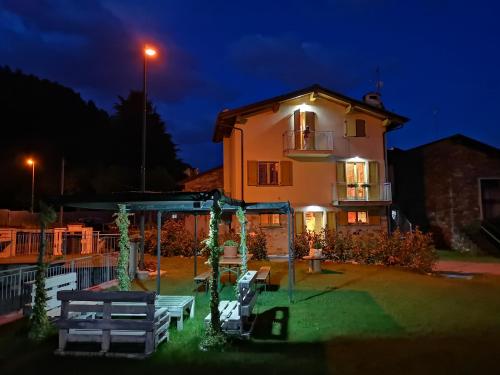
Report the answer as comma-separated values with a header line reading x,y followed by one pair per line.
x,y
148,53
32,163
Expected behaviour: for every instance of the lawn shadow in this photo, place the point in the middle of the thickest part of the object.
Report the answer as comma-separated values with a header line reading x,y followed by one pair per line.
x,y
272,324
331,272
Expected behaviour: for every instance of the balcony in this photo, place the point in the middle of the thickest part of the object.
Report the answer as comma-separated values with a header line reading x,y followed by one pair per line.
x,y
362,194
314,144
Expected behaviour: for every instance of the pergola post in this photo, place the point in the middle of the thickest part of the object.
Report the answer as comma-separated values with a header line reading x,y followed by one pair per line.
x,y
158,252
195,244
290,258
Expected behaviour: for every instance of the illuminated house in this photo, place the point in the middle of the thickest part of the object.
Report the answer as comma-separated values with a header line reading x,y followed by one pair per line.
x,y
322,151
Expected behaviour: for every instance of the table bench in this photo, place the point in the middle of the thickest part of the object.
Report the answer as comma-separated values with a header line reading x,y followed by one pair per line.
x,y
314,263
264,276
176,305
202,278
116,317
53,285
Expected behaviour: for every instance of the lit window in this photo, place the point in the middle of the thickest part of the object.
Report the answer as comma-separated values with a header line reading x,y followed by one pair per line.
x,y
357,217
269,220
355,178
268,173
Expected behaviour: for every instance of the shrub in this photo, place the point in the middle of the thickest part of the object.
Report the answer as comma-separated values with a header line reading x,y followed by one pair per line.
x,y
257,244
231,243
175,239
412,250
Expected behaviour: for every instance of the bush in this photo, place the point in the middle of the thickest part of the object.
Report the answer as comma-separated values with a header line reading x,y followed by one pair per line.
x,y
257,244
231,243
175,240
412,250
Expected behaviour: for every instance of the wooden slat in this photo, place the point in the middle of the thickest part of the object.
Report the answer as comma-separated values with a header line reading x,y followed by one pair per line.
x,y
114,296
118,324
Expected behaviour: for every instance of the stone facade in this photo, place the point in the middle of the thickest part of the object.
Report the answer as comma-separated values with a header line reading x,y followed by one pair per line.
x,y
437,186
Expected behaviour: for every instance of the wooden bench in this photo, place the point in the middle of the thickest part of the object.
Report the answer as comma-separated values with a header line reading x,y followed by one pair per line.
x,y
117,317
236,317
53,285
176,305
264,276
202,278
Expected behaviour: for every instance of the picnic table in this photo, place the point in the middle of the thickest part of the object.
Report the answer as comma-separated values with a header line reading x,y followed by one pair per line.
x,y
231,265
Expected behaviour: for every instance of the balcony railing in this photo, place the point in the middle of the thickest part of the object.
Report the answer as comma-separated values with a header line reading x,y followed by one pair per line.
x,y
345,193
313,143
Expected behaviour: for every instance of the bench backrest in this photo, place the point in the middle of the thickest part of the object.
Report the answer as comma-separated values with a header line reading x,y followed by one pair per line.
x,y
54,285
139,305
247,295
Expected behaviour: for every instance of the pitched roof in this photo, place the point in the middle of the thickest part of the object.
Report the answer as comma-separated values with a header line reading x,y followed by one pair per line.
x,y
460,139
227,118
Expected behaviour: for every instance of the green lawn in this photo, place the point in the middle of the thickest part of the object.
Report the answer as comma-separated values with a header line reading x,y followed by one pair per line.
x,y
455,255
349,319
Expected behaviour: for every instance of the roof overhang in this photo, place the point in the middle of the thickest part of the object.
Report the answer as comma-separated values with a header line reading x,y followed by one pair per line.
x,y
227,119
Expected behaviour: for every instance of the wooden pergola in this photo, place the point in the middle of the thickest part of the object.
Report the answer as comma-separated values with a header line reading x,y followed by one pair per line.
x,y
195,203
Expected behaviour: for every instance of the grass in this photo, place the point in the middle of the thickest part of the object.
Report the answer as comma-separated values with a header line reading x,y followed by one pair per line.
x,y
349,319
462,257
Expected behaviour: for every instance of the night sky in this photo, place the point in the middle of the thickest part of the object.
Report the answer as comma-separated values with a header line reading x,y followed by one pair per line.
x,y
439,60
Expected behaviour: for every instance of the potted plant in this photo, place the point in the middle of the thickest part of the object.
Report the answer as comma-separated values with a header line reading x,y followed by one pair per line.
x,y
317,249
230,248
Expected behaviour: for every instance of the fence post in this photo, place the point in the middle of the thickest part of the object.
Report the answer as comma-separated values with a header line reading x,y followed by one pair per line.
x,y
72,266
20,281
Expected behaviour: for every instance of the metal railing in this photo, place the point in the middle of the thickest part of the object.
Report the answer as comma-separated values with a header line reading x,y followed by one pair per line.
x,y
28,242
362,192
307,141
15,284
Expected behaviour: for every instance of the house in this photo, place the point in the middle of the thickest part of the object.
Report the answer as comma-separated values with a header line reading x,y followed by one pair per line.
x,y
321,150
450,187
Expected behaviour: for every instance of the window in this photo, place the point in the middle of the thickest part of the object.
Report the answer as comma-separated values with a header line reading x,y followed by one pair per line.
x,y
357,217
355,179
270,220
355,128
268,173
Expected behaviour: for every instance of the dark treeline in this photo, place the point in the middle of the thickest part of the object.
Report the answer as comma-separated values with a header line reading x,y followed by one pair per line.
x,y
47,121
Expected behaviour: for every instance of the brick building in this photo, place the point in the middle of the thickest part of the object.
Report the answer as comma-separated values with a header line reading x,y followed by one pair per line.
x,y
447,186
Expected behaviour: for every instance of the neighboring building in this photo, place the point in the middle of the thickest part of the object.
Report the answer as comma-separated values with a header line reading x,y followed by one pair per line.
x,y
322,151
447,186
205,181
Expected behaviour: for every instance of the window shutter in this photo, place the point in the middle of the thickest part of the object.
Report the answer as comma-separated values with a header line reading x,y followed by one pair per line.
x,y
350,128
311,122
373,219
341,182
286,171
330,220
373,180
360,128
299,222
296,129
252,173
342,217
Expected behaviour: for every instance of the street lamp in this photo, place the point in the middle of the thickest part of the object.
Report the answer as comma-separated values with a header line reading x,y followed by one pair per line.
x,y
148,52
32,163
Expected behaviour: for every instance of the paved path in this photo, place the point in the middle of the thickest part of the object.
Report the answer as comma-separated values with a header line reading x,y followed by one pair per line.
x,y
467,267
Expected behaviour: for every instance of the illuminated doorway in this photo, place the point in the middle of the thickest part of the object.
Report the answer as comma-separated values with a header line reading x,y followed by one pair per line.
x,y
314,221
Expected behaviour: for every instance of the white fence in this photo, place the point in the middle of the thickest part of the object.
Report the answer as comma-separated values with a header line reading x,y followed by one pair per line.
x,y
15,284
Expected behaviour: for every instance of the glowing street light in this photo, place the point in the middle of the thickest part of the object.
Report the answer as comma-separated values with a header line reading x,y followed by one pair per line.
x,y
149,52
31,162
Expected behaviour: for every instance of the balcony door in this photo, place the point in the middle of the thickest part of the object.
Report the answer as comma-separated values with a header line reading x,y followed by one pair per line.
x,y
304,130
355,179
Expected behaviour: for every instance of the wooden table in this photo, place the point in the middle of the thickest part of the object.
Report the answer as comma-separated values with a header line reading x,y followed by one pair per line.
x,y
176,306
231,265
314,263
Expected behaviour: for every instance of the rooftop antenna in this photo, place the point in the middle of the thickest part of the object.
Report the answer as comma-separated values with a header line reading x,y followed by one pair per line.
x,y
378,83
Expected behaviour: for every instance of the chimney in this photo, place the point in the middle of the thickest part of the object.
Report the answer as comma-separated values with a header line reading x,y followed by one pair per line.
x,y
374,99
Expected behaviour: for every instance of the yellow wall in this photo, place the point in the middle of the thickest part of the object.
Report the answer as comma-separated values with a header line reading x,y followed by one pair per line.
x,y
313,178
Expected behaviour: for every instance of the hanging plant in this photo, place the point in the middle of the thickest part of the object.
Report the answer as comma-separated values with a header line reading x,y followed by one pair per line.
x,y
39,321
122,222
214,337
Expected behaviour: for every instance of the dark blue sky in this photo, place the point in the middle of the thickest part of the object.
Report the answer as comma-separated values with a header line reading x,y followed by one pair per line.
x,y
439,60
